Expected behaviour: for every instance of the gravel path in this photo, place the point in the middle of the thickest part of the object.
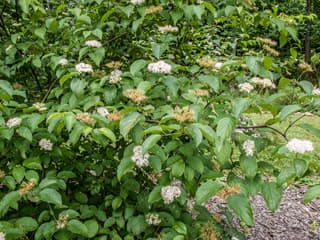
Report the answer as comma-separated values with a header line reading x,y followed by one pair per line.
x,y
292,221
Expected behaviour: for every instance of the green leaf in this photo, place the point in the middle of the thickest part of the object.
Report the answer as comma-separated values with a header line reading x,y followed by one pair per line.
x,y
108,133
315,131
242,207
33,163
159,49
255,66
46,231
180,227
301,166
27,224
287,110
18,173
40,33
6,86
136,225
312,193
178,168
124,167
206,131
24,4
150,142
51,196
285,175
272,195
206,191
25,133
77,86
128,122
155,195
66,77
196,163
306,86
97,56
239,105
84,19
248,165
137,66
77,227
195,133
212,81
75,134
7,201
93,227
34,120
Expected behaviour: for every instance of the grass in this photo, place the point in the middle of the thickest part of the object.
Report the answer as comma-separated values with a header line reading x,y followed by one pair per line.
x,y
294,132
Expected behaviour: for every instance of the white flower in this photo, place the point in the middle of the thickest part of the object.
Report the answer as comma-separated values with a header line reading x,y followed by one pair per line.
x,y
140,159
82,67
8,48
13,122
218,65
102,111
115,76
299,146
316,91
264,82
135,2
45,144
39,106
170,193
159,67
62,221
63,61
248,147
245,87
168,28
2,236
93,43
153,219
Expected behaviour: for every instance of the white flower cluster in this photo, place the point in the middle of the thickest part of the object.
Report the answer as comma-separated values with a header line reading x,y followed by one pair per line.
x,y
159,67
140,159
218,65
316,91
93,43
2,236
13,122
170,193
263,82
153,219
245,87
168,28
299,146
102,111
45,144
115,76
83,67
135,2
63,61
39,106
248,147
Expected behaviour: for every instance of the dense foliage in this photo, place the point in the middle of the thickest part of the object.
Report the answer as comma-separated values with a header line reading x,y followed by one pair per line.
x,y
120,119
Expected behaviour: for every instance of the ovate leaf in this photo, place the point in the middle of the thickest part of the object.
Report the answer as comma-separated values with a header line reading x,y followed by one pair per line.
x,y
311,194
124,167
51,196
128,122
206,191
77,227
287,110
272,195
242,207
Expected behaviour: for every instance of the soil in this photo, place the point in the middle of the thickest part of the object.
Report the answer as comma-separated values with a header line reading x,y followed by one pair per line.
x,y
293,220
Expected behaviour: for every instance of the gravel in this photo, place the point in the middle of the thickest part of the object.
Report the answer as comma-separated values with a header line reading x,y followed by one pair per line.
x,y
293,220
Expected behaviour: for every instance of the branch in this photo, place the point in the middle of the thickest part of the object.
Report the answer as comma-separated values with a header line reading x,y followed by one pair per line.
x,y
291,124
49,90
265,126
36,78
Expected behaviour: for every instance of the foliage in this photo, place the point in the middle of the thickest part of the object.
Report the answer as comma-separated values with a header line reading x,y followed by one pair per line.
x,y
89,151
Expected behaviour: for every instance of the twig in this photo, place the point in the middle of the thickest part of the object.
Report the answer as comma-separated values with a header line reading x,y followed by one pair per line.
x,y
49,91
36,78
264,126
291,124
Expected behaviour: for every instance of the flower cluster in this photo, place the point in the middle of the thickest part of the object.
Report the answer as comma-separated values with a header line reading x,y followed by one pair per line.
x,y
45,144
160,67
170,193
190,208
135,95
168,28
207,62
305,67
84,68
199,92
115,115
62,221
228,191
13,122
248,147
27,186
218,65
39,106
102,111
299,146
153,9
2,236
114,64
136,2
85,118
245,87
153,219
93,43
316,91
264,82
63,61
267,41
2,174
271,50
184,114
140,159
115,76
